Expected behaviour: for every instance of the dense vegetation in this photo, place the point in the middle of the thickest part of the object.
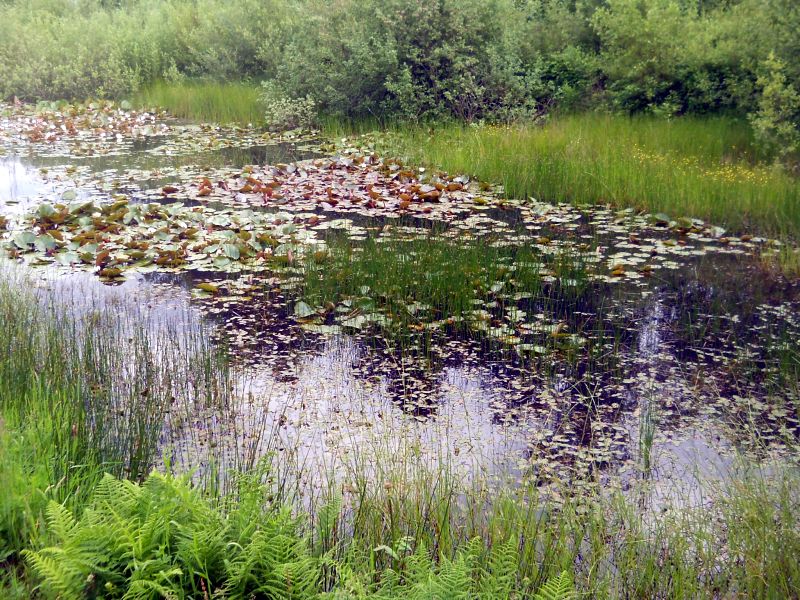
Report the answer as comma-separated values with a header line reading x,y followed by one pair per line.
x,y
688,107
79,518
472,59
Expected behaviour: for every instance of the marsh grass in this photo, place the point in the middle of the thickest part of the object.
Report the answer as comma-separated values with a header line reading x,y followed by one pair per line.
x,y
83,394
205,101
708,168
391,523
419,280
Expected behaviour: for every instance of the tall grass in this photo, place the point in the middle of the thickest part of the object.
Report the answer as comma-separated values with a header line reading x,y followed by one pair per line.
x,y
707,168
85,391
204,101
418,279
391,524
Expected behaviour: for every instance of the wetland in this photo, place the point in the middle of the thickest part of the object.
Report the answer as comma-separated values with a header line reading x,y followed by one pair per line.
x,y
355,332
359,298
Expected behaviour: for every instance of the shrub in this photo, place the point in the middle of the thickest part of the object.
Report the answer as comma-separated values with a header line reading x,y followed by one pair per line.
x,y
416,59
282,113
777,121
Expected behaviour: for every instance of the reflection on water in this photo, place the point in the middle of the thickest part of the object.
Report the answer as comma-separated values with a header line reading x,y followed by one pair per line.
x,y
707,347
27,180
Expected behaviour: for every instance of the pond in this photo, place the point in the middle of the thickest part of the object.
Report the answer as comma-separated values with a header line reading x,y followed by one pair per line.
x,y
370,307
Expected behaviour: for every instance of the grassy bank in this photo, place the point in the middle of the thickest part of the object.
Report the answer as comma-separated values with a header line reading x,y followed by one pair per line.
x,y
704,167
707,168
205,102
399,527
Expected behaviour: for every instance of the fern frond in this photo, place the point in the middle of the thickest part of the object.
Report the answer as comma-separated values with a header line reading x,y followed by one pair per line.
x,y
559,587
501,577
146,589
58,575
60,520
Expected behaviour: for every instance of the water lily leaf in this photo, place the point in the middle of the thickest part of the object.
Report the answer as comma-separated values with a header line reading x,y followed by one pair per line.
x,y
163,236
208,287
231,251
219,220
302,310
660,219
46,210
67,258
45,242
220,262
24,239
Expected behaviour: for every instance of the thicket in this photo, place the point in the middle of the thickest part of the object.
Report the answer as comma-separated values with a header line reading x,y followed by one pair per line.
x,y
415,59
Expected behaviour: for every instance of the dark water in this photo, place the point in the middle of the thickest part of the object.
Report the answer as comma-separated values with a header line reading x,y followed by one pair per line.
x,y
708,346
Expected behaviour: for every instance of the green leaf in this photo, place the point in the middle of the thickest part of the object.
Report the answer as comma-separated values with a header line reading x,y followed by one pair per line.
x,y
231,251
24,239
302,310
46,210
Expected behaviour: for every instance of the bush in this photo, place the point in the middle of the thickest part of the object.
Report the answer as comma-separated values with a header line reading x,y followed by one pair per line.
x,y
282,113
777,121
415,59
62,49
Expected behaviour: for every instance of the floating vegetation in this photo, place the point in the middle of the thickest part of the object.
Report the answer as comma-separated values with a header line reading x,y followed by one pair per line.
x,y
363,292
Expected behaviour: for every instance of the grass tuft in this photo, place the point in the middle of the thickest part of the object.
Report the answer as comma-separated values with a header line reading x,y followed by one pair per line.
x,y
207,102
708,168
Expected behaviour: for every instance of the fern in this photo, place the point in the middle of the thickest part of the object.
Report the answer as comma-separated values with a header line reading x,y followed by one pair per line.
x,y
559,587
61,577
60,520
162,539
500,580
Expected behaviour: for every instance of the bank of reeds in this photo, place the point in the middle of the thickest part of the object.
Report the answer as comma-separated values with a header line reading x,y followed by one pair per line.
x,y
206,102
702,167
391,524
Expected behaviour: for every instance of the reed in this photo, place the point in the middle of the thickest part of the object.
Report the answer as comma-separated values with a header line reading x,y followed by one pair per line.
x,y
702,167
205,101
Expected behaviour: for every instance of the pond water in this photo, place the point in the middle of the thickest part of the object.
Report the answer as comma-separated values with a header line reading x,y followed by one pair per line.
x,y
642,346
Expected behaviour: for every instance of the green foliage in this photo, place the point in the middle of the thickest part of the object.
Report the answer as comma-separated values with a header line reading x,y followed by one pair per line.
x,y
470,60
163,538
22,503
412,59
62,49
777,121
708,168
397,530
207,102
660,56
557,588
400,284
419,576
283,113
